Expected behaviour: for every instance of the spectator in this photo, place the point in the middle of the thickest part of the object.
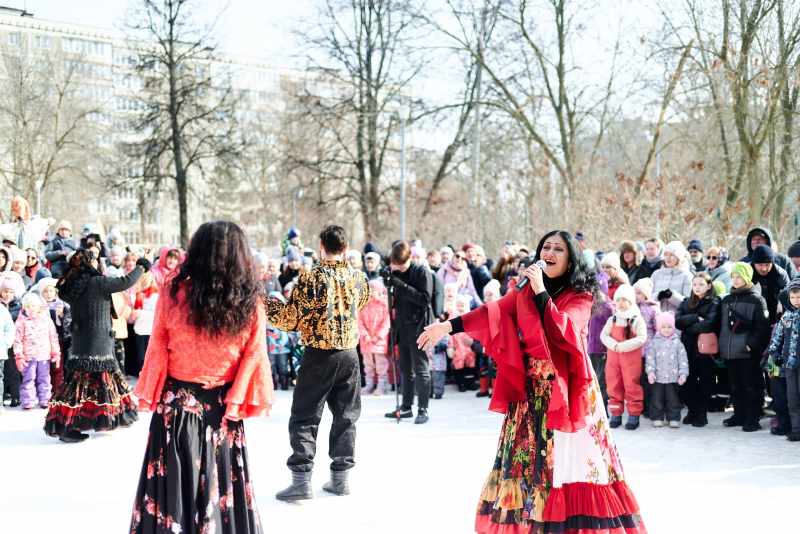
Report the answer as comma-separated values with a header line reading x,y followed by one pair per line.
x,y
476,258
434,260
784,352
292,268
666,369
268,271
596,349
770,276
762,236
32,263
353,257
649,309
372,265
59,247
653,258
695,250
456,271
35,346
630,260
794,255
19,260
719,266
419,256
588,254
373,327
616,276
672,282
292,239
115,258
168,260
505,265
446,253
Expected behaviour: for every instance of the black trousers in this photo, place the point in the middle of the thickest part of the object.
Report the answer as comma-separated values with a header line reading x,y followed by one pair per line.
x,y
330,376
665,398
646,394
747,389
132,362
699,384
414,367
599,366
13,378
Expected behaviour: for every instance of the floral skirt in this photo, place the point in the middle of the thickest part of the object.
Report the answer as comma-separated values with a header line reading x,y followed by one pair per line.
x,y
90,401
525,494
195,476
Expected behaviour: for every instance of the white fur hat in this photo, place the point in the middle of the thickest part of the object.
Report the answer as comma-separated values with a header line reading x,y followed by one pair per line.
x,y
626,291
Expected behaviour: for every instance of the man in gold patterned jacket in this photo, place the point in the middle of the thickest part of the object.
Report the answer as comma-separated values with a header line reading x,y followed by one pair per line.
x,y
324,308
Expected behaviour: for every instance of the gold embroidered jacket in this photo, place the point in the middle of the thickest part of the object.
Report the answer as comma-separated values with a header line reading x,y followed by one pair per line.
x,y
324,306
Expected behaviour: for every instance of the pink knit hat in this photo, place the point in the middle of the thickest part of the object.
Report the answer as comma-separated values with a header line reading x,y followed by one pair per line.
x,y
663,318
13,281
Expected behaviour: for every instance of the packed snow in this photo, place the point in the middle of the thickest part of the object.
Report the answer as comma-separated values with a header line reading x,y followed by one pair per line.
x,y
408,478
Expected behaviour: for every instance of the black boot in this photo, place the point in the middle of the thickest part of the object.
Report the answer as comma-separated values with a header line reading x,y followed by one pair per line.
x,y
700,418
73,436
689,419
300,490
338,483
733,421
284,381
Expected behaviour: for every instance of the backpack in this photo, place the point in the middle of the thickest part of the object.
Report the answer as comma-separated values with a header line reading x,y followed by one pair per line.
x,y
437,297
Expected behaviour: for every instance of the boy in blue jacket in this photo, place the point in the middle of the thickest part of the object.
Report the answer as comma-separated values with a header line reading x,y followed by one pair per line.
x,y
784,352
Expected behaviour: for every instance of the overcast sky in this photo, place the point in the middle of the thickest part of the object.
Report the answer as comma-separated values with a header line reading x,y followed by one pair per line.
x,y
257,28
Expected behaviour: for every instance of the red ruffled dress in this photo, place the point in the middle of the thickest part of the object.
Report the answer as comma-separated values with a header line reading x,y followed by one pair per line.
x,y
195,476
557,468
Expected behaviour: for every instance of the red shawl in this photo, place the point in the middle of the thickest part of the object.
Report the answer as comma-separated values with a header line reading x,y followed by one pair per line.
x,y
497,325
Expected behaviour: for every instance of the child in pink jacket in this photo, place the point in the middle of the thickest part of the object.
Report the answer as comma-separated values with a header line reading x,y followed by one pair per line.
x,y
373,329
35,345
462,349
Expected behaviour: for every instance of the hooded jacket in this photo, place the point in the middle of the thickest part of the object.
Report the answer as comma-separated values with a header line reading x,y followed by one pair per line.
x,y
7,253
771,284
722,274
373,322
687,320
36,338
780,259
746,311
159,270
786,337
463,278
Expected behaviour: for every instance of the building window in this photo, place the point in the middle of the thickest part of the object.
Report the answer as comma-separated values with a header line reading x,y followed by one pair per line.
x,y
45,43
79,46
14,39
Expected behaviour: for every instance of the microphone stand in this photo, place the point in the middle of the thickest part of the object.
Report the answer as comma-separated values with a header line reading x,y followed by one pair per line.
x,y
392,352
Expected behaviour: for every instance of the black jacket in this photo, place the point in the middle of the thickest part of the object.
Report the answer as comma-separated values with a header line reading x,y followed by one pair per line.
x,y
480,277
747,312
644,270
58,261
780,259
287,276
771,284
632,272
687,320
411,301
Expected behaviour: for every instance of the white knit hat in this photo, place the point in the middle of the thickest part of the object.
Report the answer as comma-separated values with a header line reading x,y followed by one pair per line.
x,y
352,254
464,298
612,259
645,285
375,256
626,291
493,287
31,296
676,248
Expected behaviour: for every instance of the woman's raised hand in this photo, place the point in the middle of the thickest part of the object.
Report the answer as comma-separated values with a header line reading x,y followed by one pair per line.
x,y
433,333
534,274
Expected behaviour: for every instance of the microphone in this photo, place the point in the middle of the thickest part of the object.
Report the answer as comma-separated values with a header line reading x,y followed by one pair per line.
x,y
525,280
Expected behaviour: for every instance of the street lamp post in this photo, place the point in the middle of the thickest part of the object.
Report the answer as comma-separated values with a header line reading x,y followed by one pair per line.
x,y
403,112
39,184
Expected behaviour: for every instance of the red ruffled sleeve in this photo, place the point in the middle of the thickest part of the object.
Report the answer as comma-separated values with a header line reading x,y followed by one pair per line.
x,y
154,373
252,392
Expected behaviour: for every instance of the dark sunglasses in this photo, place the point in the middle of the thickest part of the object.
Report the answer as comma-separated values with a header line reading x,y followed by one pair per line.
x,y
459,256
712,257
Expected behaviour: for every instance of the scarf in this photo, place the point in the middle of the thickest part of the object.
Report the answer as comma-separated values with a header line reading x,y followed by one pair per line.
x,y
655,261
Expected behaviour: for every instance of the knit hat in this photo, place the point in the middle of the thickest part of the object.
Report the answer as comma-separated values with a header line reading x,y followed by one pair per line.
x,y
64,224
18,254
261,258
419,251
641,247
277,295
375,256
13,281
293,232
794,250
376,287
42,272
677,249
579,237
292,254
720,287
116,251
450,285
794,285
663,318
464,299
445,250
370,247
493,287
645,285
467,247
745,270
762,254
31,296
307,261
612,259
695,244
626,291
352,254
602,280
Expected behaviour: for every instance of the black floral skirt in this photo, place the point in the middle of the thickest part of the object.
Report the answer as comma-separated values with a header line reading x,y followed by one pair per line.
x,y
99,401
195,477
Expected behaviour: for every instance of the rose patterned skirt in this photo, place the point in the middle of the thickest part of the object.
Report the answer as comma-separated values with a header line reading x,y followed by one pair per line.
x,y
99,401
552,482
195,477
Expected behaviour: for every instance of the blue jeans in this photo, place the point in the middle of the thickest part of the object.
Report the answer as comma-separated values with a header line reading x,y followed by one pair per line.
x,y
279,363
141,349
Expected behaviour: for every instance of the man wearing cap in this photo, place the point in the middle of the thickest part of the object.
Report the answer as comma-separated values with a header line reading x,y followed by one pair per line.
x,y
588,254
695,250
771,277
762,236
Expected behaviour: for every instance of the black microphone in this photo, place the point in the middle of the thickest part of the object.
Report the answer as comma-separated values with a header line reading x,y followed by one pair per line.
x,y
525,280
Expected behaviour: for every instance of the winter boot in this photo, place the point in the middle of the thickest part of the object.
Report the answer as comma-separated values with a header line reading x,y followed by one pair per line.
x,y
794,436
73,436
689,419
733,421
780,431
700,417
422,417
284,381
338,483
484,392
751,427
615,421
370,387
381,389
633,422
300,490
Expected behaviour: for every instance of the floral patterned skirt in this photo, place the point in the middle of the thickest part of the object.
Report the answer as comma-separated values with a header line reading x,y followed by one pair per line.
x,y
552,482
195,476
90,401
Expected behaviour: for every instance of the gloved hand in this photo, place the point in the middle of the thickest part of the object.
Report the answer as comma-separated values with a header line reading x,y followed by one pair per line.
x,y
144,263
651,377
21,364
56,359
665,294
395,281
778,361
681,380
764,361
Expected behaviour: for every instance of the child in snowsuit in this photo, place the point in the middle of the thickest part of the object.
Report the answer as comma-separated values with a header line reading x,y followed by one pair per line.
x,y
450,295
461,349
279,349
11,289
667,368
61,316
624,335
783,350
598,351
437,364
373,330
35,345
649,309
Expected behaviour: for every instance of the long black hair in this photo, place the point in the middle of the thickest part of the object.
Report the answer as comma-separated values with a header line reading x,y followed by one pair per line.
x,y
220,278
581,277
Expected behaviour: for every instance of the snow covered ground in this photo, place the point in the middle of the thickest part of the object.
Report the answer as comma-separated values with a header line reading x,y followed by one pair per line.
x,y
422,479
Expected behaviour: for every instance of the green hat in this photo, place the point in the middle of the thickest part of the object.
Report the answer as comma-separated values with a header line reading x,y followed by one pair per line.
x,y
745,270
720,288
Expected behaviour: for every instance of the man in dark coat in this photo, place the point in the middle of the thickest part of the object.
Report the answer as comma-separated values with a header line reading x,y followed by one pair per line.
x,y
695,250
762,236
58,249
771,277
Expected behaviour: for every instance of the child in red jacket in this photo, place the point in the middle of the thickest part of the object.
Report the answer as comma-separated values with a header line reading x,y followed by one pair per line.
x,y
373,329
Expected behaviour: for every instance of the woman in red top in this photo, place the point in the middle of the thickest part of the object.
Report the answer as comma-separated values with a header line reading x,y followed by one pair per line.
x,y
557,468
206,369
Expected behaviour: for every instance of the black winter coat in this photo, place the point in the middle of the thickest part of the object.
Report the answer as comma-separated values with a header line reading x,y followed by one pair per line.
x,y
687,320
644,270
771,284
746,311
411,301
58,261
780,259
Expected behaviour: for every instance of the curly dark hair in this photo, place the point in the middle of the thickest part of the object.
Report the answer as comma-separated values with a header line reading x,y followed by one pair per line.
x,y
582,278
221,281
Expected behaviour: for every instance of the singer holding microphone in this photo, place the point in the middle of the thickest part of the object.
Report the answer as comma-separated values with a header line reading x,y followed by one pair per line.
x,y
556,465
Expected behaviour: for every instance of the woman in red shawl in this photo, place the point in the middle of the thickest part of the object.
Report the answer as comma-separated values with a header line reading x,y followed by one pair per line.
x,y
557,468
